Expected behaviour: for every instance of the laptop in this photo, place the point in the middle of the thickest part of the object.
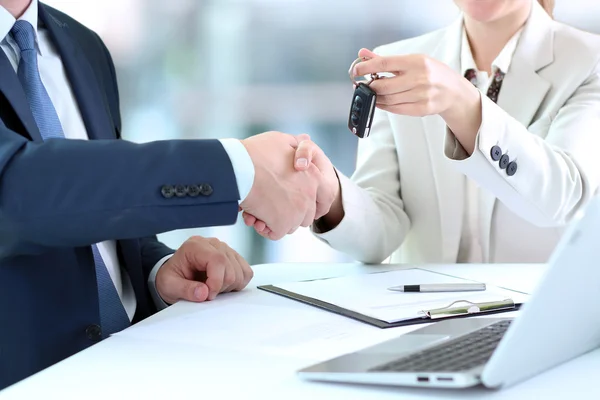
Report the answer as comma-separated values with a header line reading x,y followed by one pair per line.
x,y
560,321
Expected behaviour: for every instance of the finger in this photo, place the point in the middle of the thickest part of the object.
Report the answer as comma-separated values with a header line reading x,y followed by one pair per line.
x,y
234,260
323,207
392,64
249,219
326,198
301,137
273,235
323,199
233,274
180,288
366,53
411,109
411,96
292,231
313,154
216,266
235,263
260,225
396,84
266,235
263,232
309,217
247,271
304,155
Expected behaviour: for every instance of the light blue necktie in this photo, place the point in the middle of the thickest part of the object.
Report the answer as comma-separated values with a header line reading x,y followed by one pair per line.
x,y
112,313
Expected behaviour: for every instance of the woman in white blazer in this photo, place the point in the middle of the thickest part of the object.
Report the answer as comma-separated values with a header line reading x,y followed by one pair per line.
x,y
484,169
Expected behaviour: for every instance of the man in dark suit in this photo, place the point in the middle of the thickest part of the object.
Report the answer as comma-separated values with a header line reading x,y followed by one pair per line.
x,y
79,209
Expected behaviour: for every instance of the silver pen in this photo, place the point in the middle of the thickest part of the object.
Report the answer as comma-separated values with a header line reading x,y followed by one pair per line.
x,y
439,287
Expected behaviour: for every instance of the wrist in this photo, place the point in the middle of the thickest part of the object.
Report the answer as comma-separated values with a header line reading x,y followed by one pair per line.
x,y
463,117
240,157
336,213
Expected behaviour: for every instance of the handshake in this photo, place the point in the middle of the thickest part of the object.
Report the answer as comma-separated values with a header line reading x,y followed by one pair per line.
x,y
294,184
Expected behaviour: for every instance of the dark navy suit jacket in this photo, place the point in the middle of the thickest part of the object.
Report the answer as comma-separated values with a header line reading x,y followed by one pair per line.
x,y
60,196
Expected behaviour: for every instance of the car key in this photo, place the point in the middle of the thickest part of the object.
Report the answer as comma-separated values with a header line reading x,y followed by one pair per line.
x,y
362,108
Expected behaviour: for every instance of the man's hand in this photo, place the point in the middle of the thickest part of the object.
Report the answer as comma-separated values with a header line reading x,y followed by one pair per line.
x,y
200,269
281,196
328,201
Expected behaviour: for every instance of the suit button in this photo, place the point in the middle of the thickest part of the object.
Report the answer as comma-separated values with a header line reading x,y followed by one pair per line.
x,y
167,191
94,333
193,190
496,153
206,189
181,191
504,160
511,169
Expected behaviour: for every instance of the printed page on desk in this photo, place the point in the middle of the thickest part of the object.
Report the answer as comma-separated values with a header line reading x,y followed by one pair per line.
x,y
369,295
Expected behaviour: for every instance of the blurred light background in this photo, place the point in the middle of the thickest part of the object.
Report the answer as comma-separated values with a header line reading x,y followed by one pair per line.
x,y
234,68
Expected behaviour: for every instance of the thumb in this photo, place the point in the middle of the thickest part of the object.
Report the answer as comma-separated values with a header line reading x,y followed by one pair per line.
x,y
366,53
188,290
302,136
313,154
304,155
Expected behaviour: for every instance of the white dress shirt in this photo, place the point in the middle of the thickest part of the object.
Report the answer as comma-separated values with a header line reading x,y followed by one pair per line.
x,y
57,85
470,248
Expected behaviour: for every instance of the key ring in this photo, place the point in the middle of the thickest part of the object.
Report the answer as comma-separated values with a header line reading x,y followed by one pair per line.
x,y
373,76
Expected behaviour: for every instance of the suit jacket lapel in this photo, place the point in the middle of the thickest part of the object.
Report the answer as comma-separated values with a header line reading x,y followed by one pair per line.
x,y
11,88
450,183
534,51
81,76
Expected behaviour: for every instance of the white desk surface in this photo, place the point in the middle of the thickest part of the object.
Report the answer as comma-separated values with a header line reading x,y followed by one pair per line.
x,y
125,368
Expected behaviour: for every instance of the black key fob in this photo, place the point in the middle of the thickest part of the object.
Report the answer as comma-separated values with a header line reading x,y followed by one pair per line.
x,y
362,110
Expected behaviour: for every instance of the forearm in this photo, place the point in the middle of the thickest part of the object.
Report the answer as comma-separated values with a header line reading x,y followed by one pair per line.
x,y
555,176
374,224
72,193
464,117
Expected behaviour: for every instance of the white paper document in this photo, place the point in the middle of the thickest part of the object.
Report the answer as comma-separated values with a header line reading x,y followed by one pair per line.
x,y
306,333
369,295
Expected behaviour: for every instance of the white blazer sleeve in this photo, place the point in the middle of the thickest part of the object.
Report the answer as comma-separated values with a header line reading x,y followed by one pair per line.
x,y
557,175
374,224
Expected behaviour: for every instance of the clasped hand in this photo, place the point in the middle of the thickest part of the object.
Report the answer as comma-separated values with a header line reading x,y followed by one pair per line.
x,y
294,184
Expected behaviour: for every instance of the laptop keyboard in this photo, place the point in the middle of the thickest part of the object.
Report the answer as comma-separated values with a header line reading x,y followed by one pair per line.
x,y
461,354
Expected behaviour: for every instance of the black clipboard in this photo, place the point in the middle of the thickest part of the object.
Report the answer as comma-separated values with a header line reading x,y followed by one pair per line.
x,y
457,309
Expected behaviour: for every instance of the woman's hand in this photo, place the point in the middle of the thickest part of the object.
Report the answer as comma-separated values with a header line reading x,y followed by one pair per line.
x,y
424,86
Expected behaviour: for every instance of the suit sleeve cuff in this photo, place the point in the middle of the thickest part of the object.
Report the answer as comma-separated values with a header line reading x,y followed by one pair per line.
x,y
242,164
158,301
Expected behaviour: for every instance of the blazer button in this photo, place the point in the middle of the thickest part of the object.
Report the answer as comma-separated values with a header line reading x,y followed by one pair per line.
x,y
193,190
504,160
496,153
206,189
511,169
94,333
167,191
181,190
